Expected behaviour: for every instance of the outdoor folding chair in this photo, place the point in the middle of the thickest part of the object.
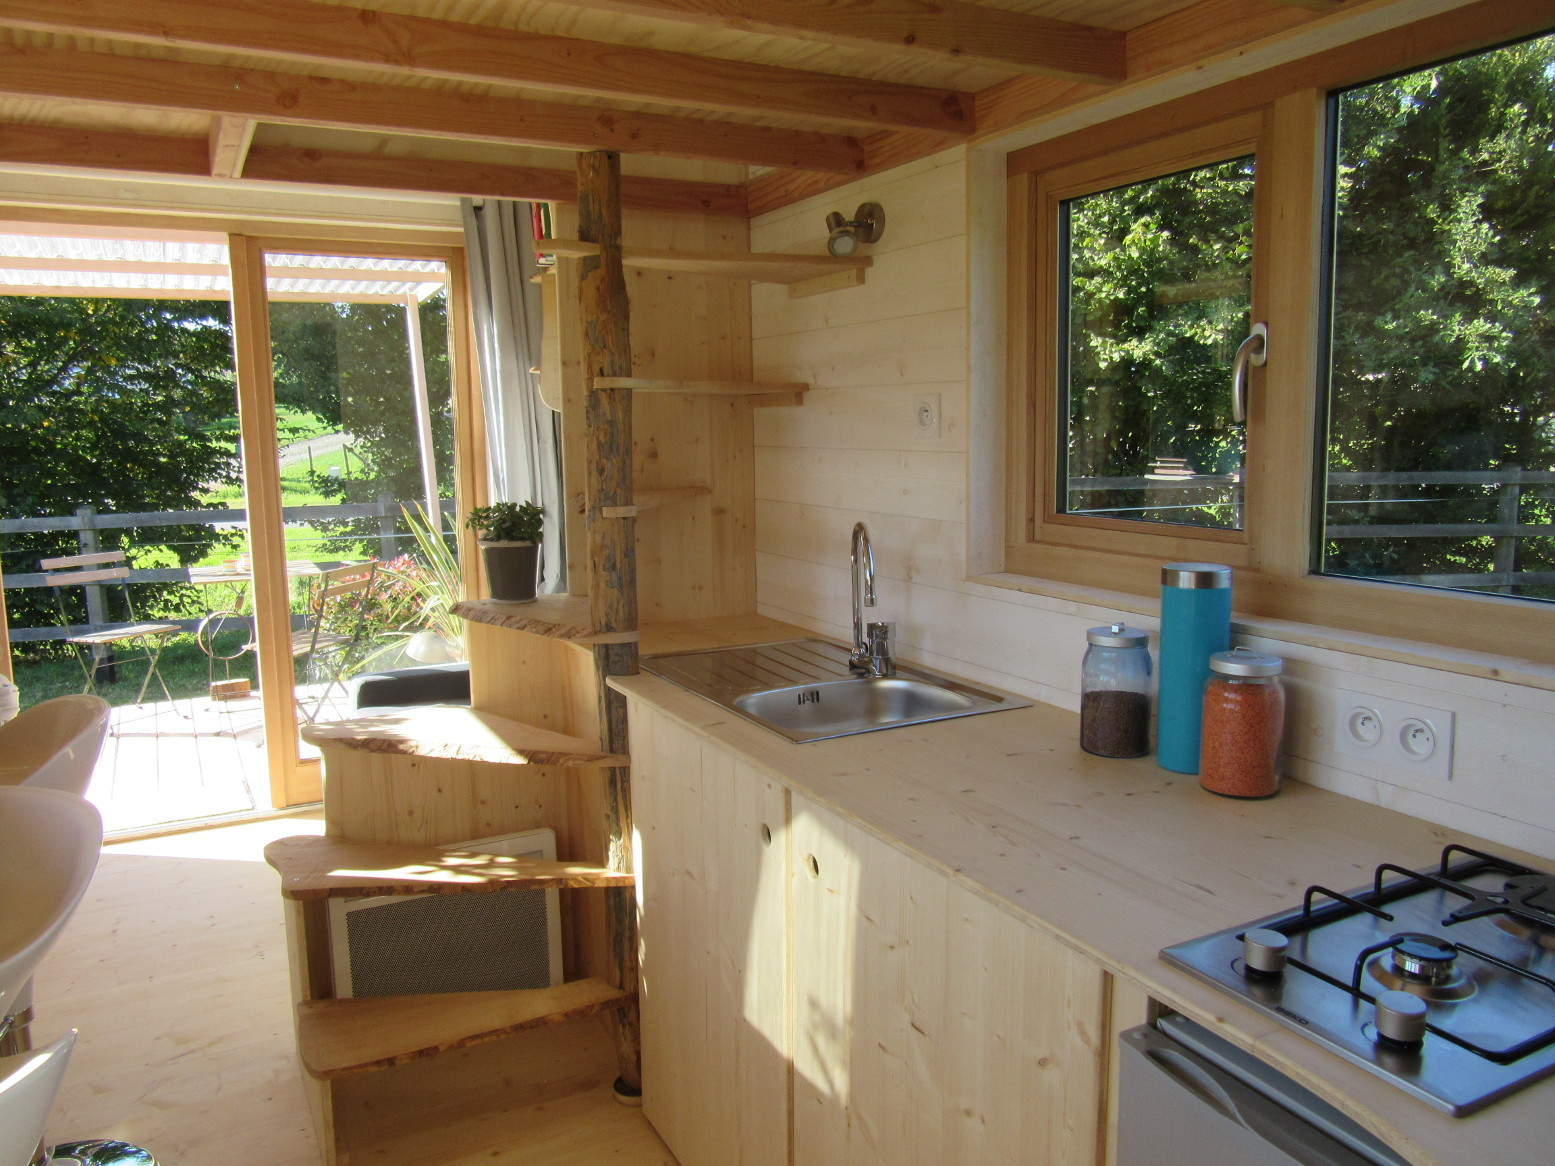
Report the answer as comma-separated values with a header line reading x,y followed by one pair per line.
x,y
101,574
334,627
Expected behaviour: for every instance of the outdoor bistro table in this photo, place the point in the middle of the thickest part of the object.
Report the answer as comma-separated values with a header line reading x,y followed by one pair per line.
x,y
239,573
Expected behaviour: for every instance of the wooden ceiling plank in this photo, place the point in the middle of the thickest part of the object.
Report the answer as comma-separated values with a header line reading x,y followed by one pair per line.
x,y
60,146
230,139
302,31
1172,41
882,152
296,99
971,33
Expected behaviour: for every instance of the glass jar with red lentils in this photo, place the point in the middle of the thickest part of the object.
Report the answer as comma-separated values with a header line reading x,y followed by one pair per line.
x,y
1244,718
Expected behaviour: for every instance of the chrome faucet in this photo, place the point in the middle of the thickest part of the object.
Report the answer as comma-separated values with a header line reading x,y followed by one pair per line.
x,y
873,644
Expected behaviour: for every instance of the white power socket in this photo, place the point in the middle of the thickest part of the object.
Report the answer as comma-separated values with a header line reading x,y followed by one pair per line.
x,y
926,412
1390,737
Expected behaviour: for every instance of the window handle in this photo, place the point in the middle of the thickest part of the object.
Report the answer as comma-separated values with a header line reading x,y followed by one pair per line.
x,y
1253,350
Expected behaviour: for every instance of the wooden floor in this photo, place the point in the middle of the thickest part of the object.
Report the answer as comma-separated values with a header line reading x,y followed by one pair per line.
x,y
174,971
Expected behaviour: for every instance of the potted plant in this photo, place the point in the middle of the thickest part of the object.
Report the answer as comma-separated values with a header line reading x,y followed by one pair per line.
x,y
509,536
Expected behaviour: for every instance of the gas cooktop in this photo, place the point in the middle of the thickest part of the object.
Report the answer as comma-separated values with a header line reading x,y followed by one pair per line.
x,y
1440,981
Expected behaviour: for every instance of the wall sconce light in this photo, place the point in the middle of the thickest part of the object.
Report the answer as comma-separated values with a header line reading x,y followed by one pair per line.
x,y
866,226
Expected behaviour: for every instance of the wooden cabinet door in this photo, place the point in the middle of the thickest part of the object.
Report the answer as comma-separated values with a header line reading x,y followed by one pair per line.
x,y
711,890
930,1026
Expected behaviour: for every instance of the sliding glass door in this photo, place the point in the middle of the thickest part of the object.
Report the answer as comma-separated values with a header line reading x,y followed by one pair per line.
x,y
352,409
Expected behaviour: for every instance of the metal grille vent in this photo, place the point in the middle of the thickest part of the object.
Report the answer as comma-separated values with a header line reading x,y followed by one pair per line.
x,y
450,943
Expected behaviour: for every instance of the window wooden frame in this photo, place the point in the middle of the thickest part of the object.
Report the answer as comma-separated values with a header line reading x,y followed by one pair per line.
x,y
1274,578
1042,429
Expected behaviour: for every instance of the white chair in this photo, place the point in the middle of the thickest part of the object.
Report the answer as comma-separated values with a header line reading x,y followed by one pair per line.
x,y
49,842
28,1084
55,744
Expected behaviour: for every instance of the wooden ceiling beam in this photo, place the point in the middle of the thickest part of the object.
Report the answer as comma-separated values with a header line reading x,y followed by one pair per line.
x,y
297,99
483,180
57,146
229,140
328,34
935,28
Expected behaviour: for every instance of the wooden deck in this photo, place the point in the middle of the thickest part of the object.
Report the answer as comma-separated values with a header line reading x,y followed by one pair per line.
x,y
186,760
174,971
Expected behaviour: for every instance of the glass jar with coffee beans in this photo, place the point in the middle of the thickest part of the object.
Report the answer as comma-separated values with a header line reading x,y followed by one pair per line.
x,y
1115,692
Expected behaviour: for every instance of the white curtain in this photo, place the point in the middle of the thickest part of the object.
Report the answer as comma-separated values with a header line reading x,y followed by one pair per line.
x,y
522,434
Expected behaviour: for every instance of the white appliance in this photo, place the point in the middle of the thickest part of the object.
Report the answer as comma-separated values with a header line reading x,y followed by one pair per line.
x,y
407,945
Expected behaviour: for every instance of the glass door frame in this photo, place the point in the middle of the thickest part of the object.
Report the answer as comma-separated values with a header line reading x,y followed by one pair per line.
x,y
295,780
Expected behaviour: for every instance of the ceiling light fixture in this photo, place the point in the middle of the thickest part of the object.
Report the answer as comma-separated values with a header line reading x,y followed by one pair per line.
x,y
845,235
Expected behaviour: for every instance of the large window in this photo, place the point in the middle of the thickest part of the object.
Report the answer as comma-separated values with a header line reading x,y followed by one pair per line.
x,y
1397,239
1441,406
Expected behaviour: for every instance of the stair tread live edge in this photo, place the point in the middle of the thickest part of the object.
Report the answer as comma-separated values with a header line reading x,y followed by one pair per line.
x,y
336,1038
314,867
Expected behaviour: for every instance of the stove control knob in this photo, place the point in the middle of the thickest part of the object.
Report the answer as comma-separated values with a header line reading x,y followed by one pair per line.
x,y
1263,951
1401,1018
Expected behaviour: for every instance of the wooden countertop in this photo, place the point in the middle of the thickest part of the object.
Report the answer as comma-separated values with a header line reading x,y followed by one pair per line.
x,y
1118,859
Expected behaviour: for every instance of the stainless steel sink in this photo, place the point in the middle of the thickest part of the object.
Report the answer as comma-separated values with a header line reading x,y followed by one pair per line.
x,y
804,690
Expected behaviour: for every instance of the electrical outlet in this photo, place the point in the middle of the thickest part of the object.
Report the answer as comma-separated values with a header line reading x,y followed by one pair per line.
x,y
926,410
1389,738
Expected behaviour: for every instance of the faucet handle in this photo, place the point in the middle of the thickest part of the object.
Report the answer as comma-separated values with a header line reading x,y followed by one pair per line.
x,y
881,641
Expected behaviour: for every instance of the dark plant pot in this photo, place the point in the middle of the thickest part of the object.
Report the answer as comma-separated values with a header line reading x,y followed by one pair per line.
x,y
511,570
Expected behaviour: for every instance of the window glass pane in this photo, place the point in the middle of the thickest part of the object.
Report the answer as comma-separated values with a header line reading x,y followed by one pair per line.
x,y
1155,290
1441,424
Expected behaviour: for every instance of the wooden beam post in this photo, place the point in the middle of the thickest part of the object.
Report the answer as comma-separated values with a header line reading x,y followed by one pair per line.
x,y
607,352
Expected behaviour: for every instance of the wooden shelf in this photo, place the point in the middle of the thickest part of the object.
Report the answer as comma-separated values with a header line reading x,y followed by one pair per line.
x,y
313,867
336,1038
699,388
759,267
459,734
773,393
557,617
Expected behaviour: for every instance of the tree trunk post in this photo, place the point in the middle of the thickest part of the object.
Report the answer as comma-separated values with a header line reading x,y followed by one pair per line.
x,y
607,352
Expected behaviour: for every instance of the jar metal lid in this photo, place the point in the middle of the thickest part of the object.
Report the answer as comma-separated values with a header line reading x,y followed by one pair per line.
x,y
1118,635
1245,662
1196,576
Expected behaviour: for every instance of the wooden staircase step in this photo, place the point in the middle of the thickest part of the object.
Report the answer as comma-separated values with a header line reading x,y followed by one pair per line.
x,y
337,1038
557,617
312,867
459,734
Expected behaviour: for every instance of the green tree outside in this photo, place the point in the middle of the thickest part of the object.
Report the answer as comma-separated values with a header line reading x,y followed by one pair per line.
x,y
120,404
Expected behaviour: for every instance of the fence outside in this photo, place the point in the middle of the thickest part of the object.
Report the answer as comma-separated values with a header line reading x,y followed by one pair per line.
x,y
86,522
1510,484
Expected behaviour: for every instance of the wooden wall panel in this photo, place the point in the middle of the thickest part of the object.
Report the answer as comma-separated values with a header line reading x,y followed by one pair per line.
x,y
695,555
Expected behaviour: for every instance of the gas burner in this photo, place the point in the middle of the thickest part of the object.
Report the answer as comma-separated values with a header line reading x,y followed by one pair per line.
x,y
1423,966
1537,892
1438,980
1423,959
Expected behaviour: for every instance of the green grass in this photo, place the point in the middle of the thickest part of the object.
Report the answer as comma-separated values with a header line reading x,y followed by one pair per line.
x,y
183,665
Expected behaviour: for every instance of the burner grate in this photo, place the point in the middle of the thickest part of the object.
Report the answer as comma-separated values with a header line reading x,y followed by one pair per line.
x,y
1445,935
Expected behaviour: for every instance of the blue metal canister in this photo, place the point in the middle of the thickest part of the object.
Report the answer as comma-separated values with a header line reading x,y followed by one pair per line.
x,y
1195,624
